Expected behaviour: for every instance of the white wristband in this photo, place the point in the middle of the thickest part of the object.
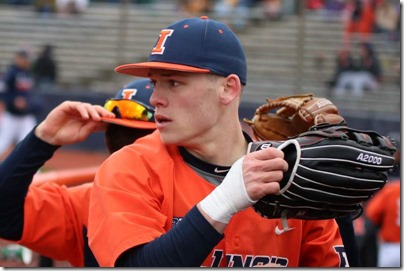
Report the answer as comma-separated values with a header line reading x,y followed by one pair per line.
x,y
229,197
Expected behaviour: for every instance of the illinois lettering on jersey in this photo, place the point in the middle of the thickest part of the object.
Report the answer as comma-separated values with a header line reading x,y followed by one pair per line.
x,y
219,257
237,260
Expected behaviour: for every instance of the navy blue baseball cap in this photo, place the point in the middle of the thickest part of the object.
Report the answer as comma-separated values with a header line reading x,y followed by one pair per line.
x,y
197,45
131,105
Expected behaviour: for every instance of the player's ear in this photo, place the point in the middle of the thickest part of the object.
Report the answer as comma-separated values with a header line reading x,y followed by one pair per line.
x,y
231,89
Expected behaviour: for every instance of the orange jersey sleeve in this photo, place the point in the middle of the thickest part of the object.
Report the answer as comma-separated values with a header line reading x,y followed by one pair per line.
x,y
143,190
54,217
384,211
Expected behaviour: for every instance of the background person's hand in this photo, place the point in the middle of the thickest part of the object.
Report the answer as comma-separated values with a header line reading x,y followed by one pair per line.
x,y
71,122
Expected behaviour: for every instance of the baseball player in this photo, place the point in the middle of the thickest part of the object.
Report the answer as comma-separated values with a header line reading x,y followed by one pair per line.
x,y
384,212
188,201
52,219
17,104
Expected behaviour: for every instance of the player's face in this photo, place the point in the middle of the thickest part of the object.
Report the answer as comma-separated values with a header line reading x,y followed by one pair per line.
x,y
187,106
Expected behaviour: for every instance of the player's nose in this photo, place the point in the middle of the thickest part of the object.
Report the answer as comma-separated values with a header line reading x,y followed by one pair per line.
x,y
157,98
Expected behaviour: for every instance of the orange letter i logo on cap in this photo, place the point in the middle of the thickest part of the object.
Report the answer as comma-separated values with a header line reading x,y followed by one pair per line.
x,y
128,93
159,48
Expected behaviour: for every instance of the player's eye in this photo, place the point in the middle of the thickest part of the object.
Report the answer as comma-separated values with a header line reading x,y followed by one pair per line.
x,y
173,83
129,109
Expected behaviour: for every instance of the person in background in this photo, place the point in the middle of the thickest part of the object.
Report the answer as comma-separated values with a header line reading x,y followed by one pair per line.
x,y
369,66
360,75
360,18
386,19
344,65
383,212
45,69
18,104
52,219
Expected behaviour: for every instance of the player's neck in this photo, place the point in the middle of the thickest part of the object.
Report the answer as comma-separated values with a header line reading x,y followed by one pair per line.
x,y
224,150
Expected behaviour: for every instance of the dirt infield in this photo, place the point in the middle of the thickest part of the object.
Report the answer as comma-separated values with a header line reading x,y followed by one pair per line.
x,y
62,159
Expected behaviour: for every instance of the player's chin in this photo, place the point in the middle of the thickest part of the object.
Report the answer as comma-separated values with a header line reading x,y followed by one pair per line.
x,y
169,138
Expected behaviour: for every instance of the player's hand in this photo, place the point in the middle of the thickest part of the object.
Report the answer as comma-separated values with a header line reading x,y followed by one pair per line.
x,y
262,172
71,122
250,178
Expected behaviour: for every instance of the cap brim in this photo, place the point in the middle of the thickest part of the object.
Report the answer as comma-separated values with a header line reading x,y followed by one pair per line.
x,y
142,69
138,124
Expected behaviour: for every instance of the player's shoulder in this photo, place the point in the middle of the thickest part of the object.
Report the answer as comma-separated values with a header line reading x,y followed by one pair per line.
x,y
149,145
148,149
394,183
390,187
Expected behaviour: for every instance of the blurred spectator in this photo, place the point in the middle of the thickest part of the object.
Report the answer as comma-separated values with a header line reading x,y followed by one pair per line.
x,y
272,9
233,12
344,64
383,210
386,19
19,2
315,4
45,7
195,7
19,105
360,20
369,63
334,7
364,75
73,7
45,69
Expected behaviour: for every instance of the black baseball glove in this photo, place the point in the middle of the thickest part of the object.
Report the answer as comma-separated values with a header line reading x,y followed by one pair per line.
x,y
333,170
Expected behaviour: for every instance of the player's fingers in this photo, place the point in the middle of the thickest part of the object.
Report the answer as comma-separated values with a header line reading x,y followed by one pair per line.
x,y
259,183
89,111
74,109
266,177
267,153
267,165
97,111
258,190
101,111
94,112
